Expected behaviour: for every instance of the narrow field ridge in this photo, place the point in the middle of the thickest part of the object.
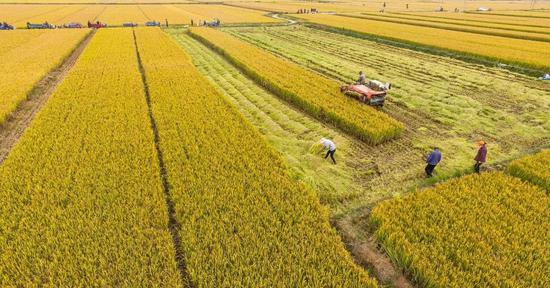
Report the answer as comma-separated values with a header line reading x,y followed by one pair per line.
x,y
173,224
12,129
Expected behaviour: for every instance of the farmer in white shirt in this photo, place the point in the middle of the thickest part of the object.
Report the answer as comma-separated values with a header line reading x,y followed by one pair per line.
x,y
331,148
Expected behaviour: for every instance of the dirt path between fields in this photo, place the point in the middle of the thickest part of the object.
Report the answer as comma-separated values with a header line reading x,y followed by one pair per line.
x,y
12,129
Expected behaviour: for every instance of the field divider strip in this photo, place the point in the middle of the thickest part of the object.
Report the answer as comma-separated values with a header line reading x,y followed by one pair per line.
x,y
173,224
16,123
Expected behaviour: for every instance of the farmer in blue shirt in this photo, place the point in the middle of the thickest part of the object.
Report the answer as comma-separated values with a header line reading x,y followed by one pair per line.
x,y
433,159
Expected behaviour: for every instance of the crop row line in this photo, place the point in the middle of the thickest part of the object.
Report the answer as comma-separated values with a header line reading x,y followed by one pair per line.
x,y
467,30
173,224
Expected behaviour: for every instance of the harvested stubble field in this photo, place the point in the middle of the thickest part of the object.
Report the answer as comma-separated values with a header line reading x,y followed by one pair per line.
x,y
444,102
528,53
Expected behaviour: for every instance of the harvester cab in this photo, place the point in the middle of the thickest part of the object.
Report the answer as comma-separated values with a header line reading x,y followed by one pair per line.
x,y
373,94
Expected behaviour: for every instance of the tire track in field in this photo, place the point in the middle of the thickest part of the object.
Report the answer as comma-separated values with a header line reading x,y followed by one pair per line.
x,y
291,132
14,127
173,224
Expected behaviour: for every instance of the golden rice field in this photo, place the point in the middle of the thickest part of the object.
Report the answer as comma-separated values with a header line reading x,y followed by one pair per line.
x,y
533,54
244,221
533,168
116,15
26,57
483,18
487,230
391,5
189,156
86,206
509,32
461,22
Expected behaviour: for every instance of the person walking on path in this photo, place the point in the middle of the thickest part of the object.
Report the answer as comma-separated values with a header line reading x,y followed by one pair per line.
x,y
481,156
433,159
327,144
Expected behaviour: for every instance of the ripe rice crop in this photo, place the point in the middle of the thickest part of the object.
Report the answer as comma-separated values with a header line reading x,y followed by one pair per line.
x,y
243,221
533,168
26,57
309,91
82,203
116,15
486,18
543,36
532,54
481,22
488,230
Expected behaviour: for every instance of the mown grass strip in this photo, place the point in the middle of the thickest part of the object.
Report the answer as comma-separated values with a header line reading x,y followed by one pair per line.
x,y
534,168
488,230
307,90
245,222
82,202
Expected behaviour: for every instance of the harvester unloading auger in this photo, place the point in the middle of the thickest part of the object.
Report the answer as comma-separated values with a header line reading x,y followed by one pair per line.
x,y
373,94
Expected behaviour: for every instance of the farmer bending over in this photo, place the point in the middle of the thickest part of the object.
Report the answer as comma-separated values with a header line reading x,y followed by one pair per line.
x,y
331,148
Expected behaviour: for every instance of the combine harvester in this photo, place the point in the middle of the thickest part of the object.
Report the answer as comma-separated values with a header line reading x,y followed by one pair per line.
x,y
152,24
96,25
73,25
129,24
214,23
44,25
373,94
6,26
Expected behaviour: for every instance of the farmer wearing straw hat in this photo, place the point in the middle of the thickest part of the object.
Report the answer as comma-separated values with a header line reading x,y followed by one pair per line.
x,y
331,148
481,156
